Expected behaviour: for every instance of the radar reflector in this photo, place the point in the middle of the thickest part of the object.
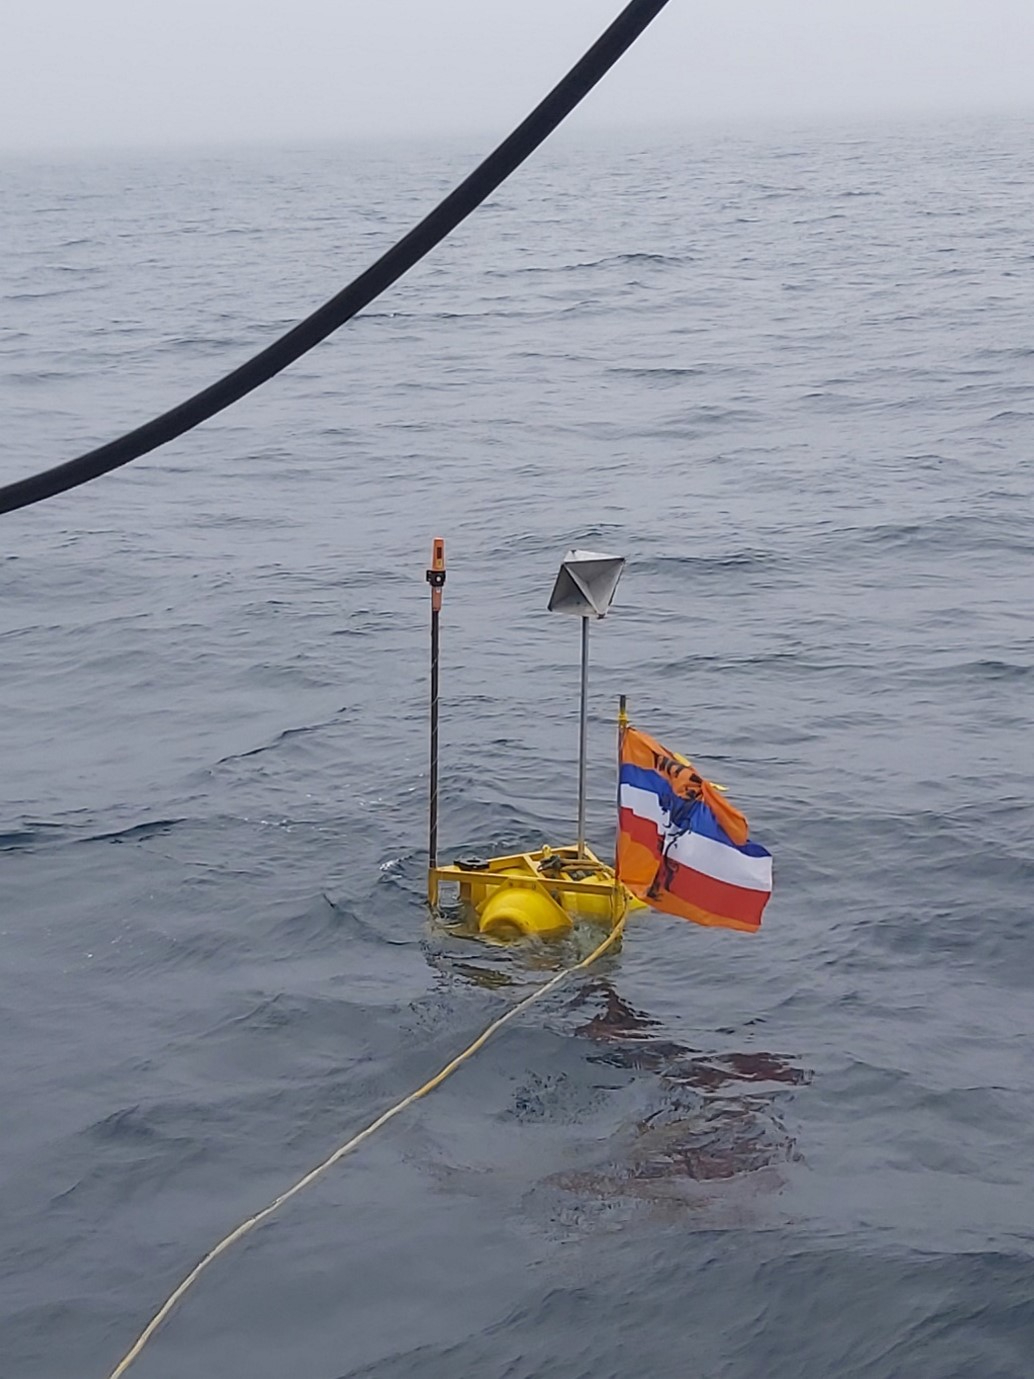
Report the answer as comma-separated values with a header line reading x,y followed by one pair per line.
x,y
586,583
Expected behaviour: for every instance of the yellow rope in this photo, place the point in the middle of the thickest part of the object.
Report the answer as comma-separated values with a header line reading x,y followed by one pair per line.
x,y
356,1140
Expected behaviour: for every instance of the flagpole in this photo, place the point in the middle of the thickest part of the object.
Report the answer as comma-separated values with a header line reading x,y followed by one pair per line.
x,y
436,579
622,725
583,737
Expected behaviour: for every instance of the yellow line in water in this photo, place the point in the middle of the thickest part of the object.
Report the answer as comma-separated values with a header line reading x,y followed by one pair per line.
x,y
356,1140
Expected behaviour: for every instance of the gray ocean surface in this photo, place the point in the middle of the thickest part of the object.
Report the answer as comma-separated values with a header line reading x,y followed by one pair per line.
x,y
790,374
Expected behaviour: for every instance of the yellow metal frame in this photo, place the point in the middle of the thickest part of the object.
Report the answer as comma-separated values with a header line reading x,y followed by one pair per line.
x,y
578,883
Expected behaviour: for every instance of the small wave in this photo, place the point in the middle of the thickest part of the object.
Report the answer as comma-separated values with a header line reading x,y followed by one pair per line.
x,y
42,295
974,532
984,670
591,265
1004,353
19,840
662,260
41,377
665,374
709,564
130,1123
151,828
288,735
1009,416
204,344
31,834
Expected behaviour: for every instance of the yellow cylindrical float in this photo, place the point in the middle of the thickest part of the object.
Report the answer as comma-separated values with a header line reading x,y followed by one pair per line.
x,y
522,912
600,909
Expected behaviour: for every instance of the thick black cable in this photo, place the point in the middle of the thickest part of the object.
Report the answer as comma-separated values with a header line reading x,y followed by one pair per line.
x,y
419,242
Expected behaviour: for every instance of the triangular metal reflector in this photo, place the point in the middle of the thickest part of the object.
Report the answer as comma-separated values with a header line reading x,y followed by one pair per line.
x,y
586,583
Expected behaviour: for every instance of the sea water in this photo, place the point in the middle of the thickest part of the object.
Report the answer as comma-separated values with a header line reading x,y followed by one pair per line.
x,y
788,373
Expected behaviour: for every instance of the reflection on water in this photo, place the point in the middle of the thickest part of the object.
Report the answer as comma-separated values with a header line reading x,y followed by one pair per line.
x,y
716,1117
625,1032
488,977
710,1138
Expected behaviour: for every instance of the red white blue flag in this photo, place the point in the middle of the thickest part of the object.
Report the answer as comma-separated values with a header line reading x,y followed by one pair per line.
x,y
682,847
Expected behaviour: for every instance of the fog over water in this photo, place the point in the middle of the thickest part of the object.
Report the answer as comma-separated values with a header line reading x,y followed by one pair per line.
x,y
118,72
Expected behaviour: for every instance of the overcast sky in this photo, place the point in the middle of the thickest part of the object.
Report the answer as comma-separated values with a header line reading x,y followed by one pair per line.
x,y
77,73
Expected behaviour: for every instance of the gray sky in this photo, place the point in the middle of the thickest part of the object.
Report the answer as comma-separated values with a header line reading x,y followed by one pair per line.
x,y
77,73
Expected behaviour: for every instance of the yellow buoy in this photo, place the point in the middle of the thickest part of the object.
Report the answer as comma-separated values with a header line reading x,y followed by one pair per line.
x,y
522,911
600,909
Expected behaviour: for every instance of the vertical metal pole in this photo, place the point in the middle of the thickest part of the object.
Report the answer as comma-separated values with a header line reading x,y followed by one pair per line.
x,y
436,579
622,725
583,737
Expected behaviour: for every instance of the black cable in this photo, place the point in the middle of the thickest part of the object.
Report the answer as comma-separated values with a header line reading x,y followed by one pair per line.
x,y
459,204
